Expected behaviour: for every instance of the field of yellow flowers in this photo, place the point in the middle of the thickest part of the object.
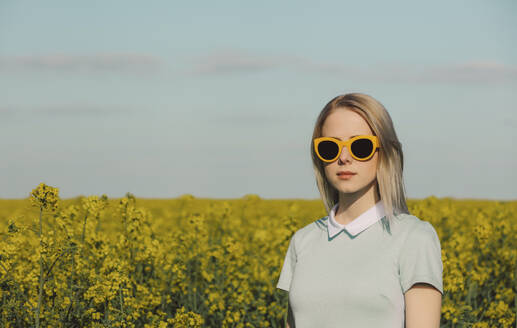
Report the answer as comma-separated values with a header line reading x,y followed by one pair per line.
x,y
188,262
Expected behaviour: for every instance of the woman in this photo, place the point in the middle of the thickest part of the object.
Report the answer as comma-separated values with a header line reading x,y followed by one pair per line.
x,y
369,263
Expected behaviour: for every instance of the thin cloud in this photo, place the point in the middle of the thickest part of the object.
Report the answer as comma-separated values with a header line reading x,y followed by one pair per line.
x,y
102,62
241,62
471,72
234,61
249,118
63,111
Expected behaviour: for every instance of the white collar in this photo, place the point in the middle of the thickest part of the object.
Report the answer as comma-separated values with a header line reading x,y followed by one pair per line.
x,y
359,224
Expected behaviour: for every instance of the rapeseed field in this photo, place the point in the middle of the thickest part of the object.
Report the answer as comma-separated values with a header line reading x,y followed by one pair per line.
x,y
189,262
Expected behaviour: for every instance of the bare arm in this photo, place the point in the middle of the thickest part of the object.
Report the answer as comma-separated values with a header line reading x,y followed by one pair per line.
x,y
423,306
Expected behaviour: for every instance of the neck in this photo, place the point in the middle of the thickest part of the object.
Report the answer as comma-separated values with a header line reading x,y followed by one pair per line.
x,y
351,205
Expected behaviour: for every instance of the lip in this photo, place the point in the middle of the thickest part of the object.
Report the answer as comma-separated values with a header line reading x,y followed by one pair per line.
x,y
345,173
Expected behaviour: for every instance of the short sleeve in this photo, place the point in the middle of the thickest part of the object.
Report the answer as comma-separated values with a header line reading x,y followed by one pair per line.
x,y
421,259
284,282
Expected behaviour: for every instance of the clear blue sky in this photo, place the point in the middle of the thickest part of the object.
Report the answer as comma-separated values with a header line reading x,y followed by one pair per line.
x,y
219,100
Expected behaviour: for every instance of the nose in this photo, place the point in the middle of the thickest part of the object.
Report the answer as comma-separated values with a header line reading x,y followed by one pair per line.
x,y
345,155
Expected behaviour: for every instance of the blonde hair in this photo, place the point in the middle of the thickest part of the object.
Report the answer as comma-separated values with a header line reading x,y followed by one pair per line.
x,y
389,181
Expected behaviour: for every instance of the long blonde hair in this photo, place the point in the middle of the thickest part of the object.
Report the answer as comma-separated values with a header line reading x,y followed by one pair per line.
x,y
390,184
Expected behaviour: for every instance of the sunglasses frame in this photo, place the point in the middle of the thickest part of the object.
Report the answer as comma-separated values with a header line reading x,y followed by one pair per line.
x,y
346,143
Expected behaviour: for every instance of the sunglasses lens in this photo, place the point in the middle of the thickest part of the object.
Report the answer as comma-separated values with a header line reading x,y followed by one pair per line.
x,y
328,149
362,148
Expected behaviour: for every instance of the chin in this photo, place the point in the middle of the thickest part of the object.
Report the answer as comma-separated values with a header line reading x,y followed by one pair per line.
x,y
346,186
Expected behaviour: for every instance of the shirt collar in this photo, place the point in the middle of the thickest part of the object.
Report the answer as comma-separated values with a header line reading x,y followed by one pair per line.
x,y
359,224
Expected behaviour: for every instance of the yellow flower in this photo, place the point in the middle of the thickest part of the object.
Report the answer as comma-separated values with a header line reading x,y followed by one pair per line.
x,y
45,197
93,205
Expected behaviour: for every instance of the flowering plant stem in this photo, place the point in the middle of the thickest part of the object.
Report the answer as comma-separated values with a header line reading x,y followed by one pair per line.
x,y
40,271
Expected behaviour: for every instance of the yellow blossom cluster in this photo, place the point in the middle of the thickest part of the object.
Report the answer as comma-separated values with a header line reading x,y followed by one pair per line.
x,y
45,197
93,204
193,262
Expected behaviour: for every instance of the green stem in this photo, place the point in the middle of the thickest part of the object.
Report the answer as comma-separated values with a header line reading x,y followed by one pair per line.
x,y
84,227
70,284
83,236
40,271
121,301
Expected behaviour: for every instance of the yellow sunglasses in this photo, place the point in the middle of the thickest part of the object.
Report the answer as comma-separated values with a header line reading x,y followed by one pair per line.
x,y
361,147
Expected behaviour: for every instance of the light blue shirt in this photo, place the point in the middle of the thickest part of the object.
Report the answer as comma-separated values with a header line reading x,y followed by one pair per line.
x,y
356,275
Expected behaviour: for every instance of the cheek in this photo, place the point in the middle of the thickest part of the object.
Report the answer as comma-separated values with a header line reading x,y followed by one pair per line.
x,y
369,168
373,166
328,169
